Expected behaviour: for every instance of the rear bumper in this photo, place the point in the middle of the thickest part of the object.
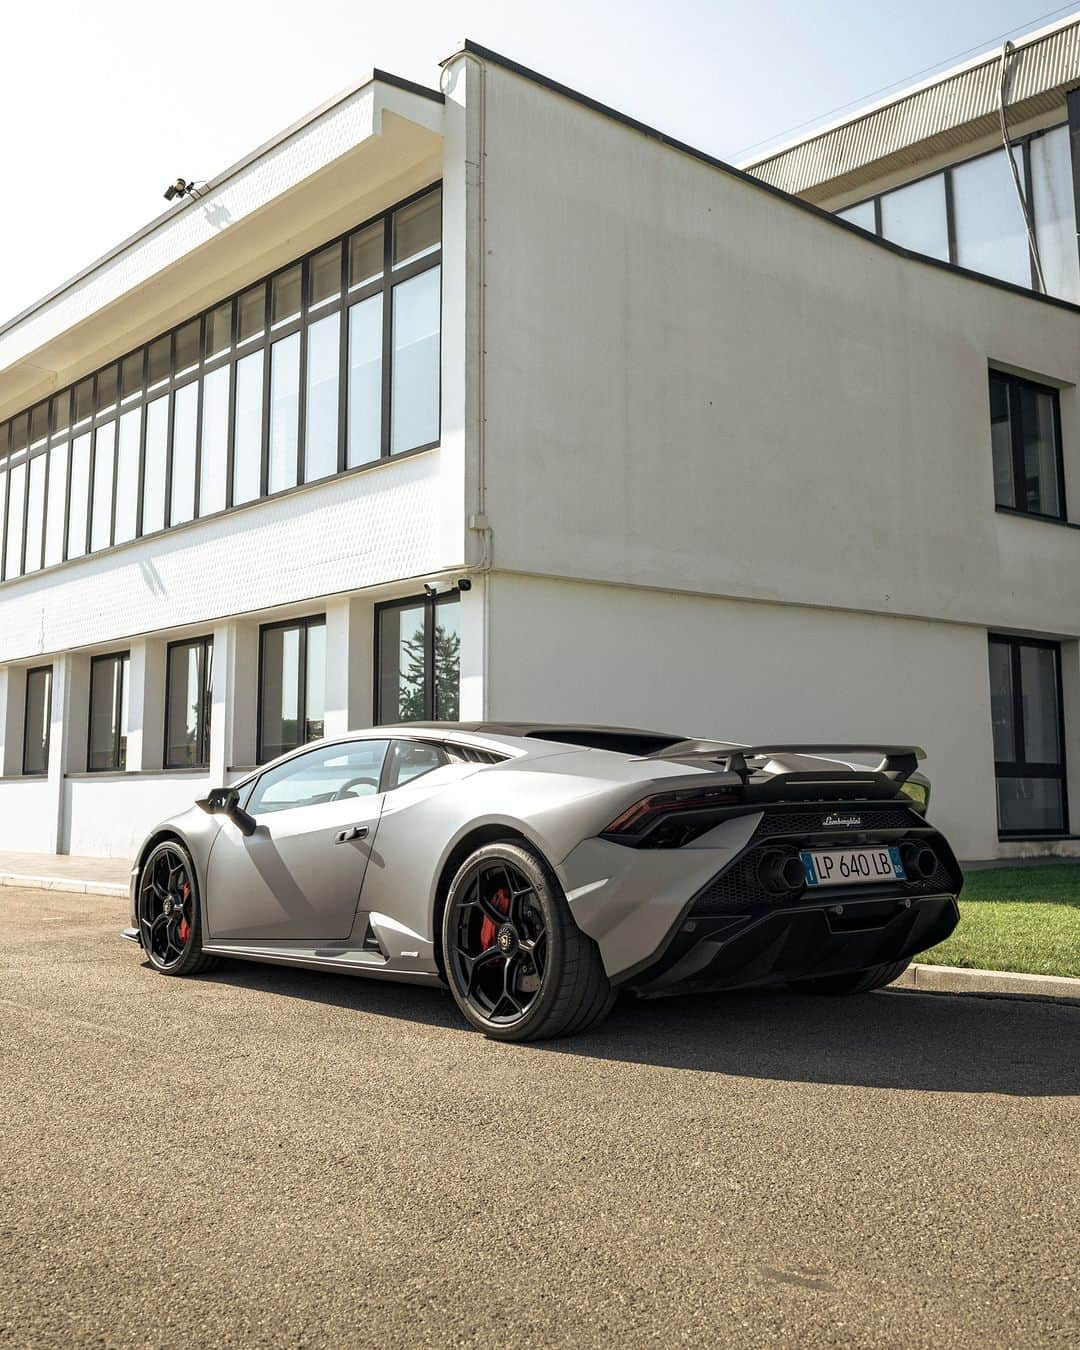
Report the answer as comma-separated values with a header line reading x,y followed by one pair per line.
x,y
740,951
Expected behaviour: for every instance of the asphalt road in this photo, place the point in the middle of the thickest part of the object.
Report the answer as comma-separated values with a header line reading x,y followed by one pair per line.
x,y
271,1157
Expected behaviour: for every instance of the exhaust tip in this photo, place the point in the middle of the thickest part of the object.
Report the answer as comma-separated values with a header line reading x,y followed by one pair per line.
x,y
781,873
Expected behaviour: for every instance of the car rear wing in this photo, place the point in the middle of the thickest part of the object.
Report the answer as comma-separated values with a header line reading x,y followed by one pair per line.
x,y
898,762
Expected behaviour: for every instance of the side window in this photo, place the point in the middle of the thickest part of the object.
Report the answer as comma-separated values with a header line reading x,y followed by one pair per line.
x,y
412,759
331,773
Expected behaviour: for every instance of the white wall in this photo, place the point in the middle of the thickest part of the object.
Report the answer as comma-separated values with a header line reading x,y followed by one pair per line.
x,y
692,383
752,672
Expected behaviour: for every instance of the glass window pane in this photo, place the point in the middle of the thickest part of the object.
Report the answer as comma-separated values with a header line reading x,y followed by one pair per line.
x,y
108,712
414,417
84,400
418,228
353,770
1055,213
1039,491
321,416
186,352
80,496
20,432
448,660
279,692
157,447
247,451
38,717
102,499
54,514
219,330
365,381
127,476
251,320
284,411
160,360
1001,441
914,217
1042,716
185,419
1030,805
324,275
366,255
286,296
401,664
39,424
214,451
15,505
131,375
315,683
990,234
61,412
862,215
1001,702
187,714
412,760
105,389
3,511
35,514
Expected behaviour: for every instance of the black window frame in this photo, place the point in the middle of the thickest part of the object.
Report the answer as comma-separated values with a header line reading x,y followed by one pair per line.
x,y
204,706
430,604
1021,767
119,756
105,385
31,672
304,624
1015,385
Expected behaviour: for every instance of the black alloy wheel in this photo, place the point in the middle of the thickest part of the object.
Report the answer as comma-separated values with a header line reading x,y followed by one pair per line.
x,y
518,966
168,911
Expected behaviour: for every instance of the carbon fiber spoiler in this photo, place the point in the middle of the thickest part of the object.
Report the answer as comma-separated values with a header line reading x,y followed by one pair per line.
x,y
898,762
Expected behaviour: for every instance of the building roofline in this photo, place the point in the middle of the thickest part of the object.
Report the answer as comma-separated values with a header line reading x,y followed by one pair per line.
x,y
475,49
376,76
866,110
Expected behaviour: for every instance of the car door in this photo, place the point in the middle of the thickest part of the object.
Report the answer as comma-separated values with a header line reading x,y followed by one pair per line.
x,y
297,876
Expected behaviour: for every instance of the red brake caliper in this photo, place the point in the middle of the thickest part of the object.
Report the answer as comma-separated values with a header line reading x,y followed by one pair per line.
x,y
488,929
184,926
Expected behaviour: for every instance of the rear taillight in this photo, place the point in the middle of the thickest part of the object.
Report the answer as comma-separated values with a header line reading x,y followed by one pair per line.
x,y
638,819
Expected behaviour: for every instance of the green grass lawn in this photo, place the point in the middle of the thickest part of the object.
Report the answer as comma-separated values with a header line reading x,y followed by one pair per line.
x,y
1016,918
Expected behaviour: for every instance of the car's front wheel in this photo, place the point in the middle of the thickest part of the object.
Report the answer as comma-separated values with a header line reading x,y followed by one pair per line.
x,y
170,924
518,966
853,981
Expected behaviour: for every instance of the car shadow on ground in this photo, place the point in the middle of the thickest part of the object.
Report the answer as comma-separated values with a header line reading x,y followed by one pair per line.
x,y
889,1039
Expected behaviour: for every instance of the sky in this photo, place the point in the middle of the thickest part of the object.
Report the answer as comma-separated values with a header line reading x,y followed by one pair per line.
x,y
103,102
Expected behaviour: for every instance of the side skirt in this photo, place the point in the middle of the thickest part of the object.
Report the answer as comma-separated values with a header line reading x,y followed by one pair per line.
x,y
340,960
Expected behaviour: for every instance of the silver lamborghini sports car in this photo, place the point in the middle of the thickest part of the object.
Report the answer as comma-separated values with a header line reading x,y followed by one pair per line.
x,y
537,870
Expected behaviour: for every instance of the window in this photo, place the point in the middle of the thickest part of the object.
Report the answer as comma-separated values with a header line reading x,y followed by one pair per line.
x,y
862,215
417,645
292,685
108,713
988,223
1025,433
329,365
914,216
413,759
1029,735
37,720
188,685
330,773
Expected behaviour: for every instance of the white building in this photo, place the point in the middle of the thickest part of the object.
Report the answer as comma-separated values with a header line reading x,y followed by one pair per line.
x,y
485,401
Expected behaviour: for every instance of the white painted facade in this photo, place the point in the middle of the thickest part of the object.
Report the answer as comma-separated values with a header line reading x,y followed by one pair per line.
x,y
712,463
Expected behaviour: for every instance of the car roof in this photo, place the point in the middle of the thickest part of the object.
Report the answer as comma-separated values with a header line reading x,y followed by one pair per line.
x,y
582,735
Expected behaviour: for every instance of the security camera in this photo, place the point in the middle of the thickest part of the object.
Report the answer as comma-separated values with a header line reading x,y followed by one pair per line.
x,y
179,189
464,584
431,588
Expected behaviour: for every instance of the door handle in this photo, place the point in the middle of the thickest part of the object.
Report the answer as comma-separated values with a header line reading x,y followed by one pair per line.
x,y
353,832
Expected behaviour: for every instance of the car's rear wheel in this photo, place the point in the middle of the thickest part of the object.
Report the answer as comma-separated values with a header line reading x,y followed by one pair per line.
x,y
170,924
518,966
853,981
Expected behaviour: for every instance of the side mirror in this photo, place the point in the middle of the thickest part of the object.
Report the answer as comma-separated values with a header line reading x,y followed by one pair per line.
x,y
225,801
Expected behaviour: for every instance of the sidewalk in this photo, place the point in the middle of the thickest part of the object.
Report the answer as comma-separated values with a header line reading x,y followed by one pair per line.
x,y
64,872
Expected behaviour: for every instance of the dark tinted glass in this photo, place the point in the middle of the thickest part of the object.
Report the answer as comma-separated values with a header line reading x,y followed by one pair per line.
x,y
187,347
39,423
20,431
417,228
61,412
131,374
286,295
219,329
187,720
366,255
105,389
251,319
160,359
38,716
291,686
324,275
84,399
108,712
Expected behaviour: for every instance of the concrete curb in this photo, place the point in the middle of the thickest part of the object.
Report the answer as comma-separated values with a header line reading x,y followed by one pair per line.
x,y
999,983
63,884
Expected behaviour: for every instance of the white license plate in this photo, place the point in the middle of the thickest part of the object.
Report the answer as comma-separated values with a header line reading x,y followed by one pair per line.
x,y
851,866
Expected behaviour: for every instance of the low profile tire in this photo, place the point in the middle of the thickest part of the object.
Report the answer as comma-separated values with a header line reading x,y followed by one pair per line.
x,y
170,922
854,981
518,966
